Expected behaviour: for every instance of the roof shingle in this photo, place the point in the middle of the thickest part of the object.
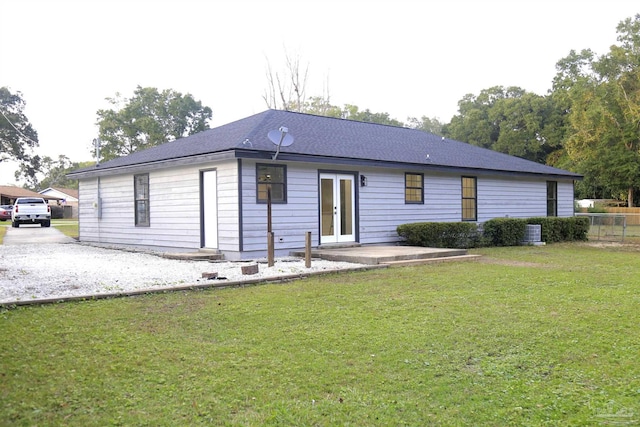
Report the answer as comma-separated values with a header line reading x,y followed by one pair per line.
x,y
337,138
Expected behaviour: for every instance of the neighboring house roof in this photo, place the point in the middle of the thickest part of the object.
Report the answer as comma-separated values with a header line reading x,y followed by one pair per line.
x,y
65,193
331,140
13,192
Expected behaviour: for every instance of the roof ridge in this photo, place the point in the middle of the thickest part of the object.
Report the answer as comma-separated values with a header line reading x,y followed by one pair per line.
x,y
333,137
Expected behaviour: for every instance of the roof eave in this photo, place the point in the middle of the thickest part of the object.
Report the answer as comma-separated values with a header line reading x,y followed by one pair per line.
x,y
293,157
97,170
240,153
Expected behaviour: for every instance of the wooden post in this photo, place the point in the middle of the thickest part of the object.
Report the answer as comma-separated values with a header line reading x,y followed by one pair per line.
x,y
307,250
270,249
269,230
270,243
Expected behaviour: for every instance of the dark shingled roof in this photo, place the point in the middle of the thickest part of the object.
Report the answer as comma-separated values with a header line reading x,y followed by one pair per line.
x,y
325,137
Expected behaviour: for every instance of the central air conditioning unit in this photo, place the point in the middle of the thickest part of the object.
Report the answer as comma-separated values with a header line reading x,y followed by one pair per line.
x,y
533,235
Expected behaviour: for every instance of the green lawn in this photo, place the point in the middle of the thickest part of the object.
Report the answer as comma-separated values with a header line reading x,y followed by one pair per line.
x,y
68,226
527,336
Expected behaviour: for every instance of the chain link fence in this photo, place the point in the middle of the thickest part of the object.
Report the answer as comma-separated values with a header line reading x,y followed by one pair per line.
x,y
613,227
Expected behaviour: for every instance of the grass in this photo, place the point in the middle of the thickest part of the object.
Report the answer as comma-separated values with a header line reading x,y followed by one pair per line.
x,y
68,226
528,336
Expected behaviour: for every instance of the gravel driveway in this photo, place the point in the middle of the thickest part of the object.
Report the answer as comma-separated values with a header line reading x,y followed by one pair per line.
x,y
53,266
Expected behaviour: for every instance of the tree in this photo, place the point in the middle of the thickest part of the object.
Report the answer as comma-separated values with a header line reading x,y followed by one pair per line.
x,y
509,120
53,173
17,135
352,112
288,90
148,119
473,124
320,106
604,117
432,125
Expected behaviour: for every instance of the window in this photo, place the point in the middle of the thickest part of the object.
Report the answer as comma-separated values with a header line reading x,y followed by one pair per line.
x,y
469,199
141,193
413,188
552,198
274,177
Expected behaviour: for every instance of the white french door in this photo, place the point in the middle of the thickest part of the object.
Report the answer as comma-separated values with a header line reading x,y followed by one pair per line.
x,y
337,208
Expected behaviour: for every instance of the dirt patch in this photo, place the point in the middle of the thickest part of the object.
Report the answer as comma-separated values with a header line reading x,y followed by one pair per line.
x,y
626,246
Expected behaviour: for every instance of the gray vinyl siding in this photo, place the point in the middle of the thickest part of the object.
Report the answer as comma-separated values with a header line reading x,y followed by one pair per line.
x,y
565,199
174,199
228,209
381,207
290,221
514,198
381,204
520,198
87,214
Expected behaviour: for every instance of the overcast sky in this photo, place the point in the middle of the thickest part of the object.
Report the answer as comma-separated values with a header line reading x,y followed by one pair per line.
x,y
406,58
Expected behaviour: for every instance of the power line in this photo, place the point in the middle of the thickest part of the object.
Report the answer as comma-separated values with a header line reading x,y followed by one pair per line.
x,y
17,130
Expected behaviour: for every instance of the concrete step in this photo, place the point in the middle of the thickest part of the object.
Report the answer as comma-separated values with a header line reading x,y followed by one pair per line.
x,y
201,255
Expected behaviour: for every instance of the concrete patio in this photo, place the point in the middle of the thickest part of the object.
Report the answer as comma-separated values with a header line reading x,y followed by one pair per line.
x,y
388,255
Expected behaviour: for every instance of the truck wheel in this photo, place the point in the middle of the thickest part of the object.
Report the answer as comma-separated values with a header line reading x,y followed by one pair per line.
x,y
46,223
15,224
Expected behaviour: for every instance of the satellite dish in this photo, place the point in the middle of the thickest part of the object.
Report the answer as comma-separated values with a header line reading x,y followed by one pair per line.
x,y
281,138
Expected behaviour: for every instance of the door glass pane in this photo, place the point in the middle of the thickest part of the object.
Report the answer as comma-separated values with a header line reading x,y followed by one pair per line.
x,y
326,194
346,203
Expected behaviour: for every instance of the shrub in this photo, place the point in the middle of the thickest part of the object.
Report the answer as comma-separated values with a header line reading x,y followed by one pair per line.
x,y
597,209
504,231
440,234
555,229
495,232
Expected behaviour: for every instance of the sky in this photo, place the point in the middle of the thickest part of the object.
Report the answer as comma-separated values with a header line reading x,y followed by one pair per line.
x,y
408,58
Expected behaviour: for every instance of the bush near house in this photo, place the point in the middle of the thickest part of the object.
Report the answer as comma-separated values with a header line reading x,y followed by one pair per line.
x,y
440,234
495,232
504,232
562,229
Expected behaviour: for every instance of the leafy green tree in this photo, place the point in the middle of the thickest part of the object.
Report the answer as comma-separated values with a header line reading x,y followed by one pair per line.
x,y
17,135
352,112
510,120
147,119
427,124
531,126
53,173
320,106
604,93
473,124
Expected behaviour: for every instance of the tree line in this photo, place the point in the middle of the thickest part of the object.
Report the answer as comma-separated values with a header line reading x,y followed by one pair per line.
x,y
588,122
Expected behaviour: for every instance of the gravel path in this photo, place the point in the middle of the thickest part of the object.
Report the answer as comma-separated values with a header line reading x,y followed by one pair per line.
x,y
62,270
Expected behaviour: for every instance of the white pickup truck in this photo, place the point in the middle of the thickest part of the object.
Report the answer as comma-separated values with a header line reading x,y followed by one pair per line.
x,y
31,210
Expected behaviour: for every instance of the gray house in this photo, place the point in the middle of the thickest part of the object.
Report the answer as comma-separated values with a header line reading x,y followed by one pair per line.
x,y
344,181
